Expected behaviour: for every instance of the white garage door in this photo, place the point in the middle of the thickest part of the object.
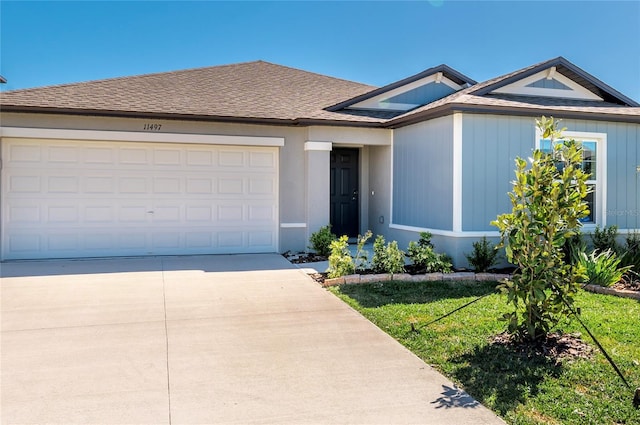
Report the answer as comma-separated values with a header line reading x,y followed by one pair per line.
x,y
64,199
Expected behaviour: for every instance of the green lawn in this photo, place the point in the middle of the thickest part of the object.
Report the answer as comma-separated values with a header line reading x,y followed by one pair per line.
x,y
521,389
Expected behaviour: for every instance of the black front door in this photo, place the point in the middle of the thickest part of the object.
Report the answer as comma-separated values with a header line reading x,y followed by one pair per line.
x,y
345,199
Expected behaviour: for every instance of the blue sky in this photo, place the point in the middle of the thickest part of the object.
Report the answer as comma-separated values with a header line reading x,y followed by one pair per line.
x,y
53,42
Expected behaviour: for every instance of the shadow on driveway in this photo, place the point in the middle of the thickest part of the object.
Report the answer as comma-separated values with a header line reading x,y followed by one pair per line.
x,y
204,263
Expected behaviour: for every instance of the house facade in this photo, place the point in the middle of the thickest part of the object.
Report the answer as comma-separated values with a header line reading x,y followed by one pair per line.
x,y
255,157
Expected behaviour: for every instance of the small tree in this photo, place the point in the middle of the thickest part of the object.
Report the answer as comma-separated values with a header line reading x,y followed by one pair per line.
x,y
548,202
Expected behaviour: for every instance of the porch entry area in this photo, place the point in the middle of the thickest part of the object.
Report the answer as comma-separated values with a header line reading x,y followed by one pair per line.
x,y
344,193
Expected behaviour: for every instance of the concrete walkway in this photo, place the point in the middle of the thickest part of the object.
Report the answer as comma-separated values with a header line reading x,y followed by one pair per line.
x,y
244,339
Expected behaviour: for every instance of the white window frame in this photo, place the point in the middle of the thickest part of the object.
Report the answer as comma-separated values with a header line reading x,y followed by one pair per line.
x,y
600,182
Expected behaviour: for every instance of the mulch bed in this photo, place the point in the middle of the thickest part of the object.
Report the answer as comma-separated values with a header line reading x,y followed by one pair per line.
x,y
629,282
303,257
556,346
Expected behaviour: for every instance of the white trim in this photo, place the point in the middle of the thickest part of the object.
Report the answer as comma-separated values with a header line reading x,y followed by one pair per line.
x,y
138,136
450,233
457,172
292,225
551,72
601,170
391,148
317,146
628,231
520,87
379,101
347,145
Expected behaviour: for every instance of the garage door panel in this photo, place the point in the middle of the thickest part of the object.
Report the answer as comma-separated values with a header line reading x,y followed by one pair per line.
x,y
62,184
199,185
167,185
170,157
96,156
199,240
199,158
99,214
63,155
100,184
263,160
24,154
129,156
74,199
259,239
24,184
199,213
228,158
230,240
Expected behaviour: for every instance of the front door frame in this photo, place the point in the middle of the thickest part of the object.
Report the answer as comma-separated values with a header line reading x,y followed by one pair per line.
x,y
352,228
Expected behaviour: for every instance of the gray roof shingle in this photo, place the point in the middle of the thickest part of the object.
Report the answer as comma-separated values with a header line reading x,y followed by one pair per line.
x,y
252,90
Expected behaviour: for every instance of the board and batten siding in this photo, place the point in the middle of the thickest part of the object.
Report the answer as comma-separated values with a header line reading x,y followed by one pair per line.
x,y
423,174
623,176
491,143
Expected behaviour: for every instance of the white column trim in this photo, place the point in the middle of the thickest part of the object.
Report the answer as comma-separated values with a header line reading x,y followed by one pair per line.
x,y
457,172
139,136
317,146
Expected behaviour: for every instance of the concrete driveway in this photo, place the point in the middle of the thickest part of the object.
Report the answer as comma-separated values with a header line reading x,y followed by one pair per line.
x,y
246,339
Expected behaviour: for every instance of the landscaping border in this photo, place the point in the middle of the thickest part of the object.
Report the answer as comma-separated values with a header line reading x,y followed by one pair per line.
x,y
355,279
611,291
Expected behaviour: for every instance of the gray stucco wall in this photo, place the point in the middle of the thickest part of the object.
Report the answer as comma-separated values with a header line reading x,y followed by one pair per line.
x,y
379,189
423,174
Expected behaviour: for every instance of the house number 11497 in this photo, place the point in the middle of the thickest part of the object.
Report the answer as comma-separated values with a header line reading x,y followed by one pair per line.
x,y
152,127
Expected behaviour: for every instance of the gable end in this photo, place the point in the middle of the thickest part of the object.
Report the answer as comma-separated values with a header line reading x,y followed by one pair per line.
x,y
548,83
414,88
563,70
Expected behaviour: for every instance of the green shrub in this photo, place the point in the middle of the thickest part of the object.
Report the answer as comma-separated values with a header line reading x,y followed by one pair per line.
x,y
423,256
484,255
605,239
321,240
340,260
604,268
387,258
630,255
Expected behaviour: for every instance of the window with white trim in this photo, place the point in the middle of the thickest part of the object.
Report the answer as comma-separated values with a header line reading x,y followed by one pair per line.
x,y
594,164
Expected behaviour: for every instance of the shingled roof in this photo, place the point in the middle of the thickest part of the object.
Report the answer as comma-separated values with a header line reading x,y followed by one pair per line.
x,y
251,91
262,92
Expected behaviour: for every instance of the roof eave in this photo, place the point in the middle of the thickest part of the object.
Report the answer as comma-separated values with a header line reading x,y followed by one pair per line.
x,y
188,117
136,114
503,110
